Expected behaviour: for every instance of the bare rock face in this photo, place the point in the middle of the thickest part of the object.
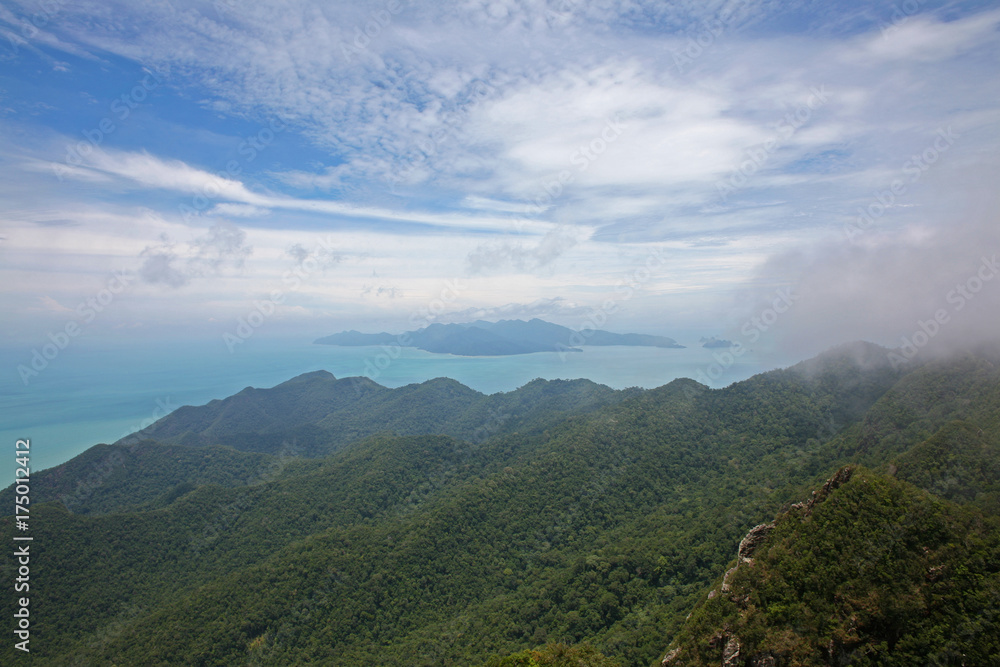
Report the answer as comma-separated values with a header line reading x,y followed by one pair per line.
x,y
725,578
839,478
753,539
748,546
731,653
670,657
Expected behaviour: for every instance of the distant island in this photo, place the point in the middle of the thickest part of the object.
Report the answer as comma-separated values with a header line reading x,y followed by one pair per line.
x,y
481,338
716,342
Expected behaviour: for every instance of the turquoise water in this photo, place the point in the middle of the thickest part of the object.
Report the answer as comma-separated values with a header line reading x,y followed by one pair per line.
x,y
94,392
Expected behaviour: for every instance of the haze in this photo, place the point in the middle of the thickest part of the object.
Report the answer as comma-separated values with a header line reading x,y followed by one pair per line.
x,y
660,168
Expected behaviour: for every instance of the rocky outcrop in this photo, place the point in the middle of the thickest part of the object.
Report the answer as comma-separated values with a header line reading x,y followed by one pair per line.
x,y
753,539
840,478
731,653
745,552
669,658
748,546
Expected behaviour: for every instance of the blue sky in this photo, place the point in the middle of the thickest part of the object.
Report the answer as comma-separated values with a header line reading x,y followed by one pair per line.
x,y
169,168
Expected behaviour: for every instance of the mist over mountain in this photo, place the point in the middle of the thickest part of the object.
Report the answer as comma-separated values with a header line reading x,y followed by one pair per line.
x,y
197,197
336,521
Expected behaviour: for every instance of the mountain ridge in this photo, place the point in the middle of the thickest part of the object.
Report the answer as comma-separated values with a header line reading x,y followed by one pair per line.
x,y
604,522
845,541
505,337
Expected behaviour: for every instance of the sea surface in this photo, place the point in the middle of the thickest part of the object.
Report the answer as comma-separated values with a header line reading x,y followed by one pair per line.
x,y
94,392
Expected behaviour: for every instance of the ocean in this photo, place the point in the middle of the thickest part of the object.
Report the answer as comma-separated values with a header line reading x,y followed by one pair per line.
x,y
95,392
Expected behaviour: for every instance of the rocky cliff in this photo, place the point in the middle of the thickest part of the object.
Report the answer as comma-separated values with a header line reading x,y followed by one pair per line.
x,y
869,570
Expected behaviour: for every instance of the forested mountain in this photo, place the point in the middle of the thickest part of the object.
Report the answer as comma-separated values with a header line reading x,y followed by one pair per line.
x,y
323,413
226,442
482,338
581,530
871,571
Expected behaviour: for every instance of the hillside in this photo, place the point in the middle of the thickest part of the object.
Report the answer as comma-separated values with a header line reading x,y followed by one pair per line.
x,y
591,518
869,571
323,415
328,412
228,442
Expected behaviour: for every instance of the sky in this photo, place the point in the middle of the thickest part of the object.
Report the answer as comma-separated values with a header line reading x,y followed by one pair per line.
x,y
784,174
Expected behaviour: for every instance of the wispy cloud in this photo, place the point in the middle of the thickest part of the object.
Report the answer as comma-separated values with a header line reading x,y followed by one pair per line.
x,y
234,197
435,149
922,38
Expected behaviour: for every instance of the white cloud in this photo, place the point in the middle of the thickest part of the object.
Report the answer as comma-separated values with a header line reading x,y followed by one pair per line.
x,y
925,38
51,305
611,126
238,210
487,204
153,172
461,162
